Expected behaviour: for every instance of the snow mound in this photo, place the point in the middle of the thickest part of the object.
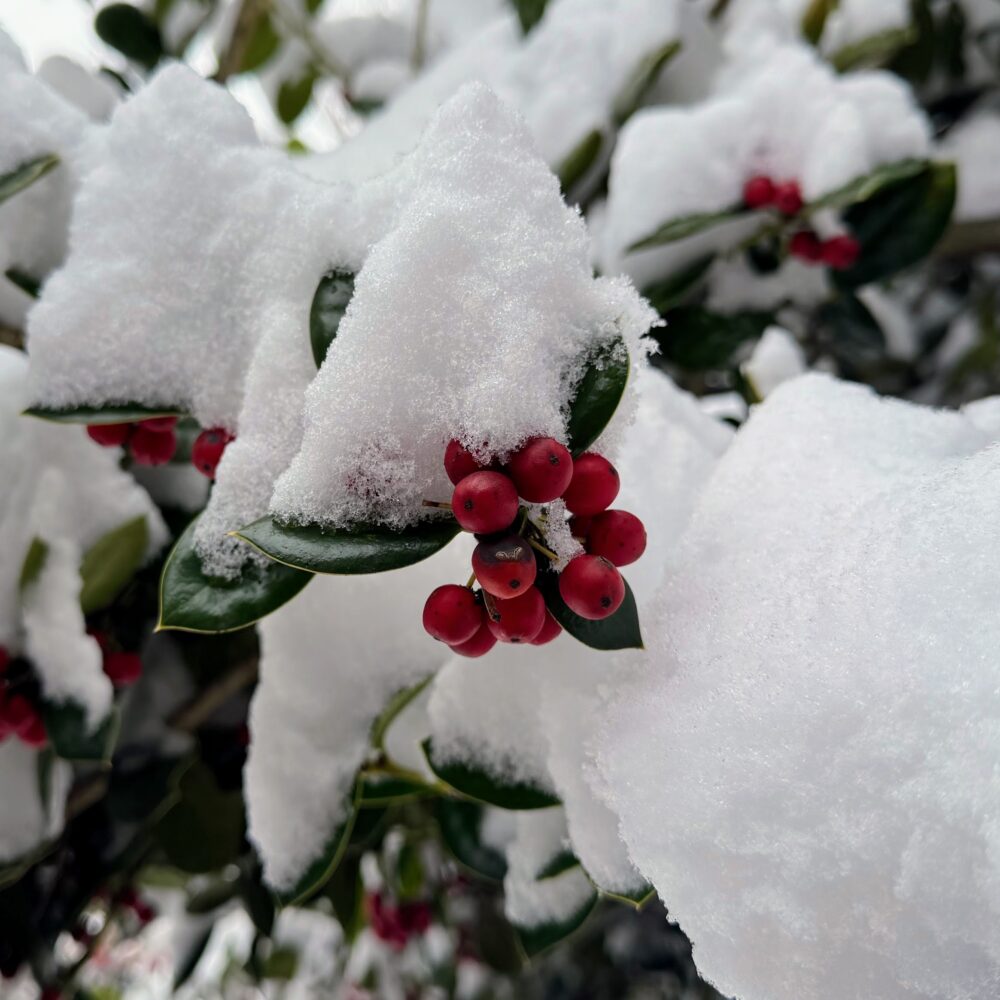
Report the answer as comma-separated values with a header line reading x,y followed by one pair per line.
x,y
806,764
25,820
974,145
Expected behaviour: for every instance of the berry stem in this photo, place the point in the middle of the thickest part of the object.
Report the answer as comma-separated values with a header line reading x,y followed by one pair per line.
x,y
472,580
541,548
437,504
491,608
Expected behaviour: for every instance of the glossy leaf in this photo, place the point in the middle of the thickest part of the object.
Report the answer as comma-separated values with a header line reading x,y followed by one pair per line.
x,y
263,44
293,96
380,789
362,549
191,601
131,31
671,291
637,898
71,737
867,186
474,783
643,79
329,304
597,395
853,332
814,19
25,175
620,631
541,937
562,862
698,339
685,226
111,562
396,704
460,823
875,50
579,160
34,560
124,413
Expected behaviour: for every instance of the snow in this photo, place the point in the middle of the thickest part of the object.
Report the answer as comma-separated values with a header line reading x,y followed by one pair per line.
x,y
776,358
479,295
805,763
672,162
25,820
974,146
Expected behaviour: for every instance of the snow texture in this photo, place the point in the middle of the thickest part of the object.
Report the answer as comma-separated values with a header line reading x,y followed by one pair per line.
x,y
481,294
776,358
26,821
805,764
974,146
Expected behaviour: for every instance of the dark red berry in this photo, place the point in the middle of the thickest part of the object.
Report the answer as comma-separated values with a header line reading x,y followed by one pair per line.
x,y
109,435
541,470
459,462
452,614
158,425
479,645
580,526
592,587
152,447
206,452
485,502
806,246
123,668
758,192
840,252
551,629
618,536
145,913
415,917
594,486
788,198
518,619
18,713
504,567
34,734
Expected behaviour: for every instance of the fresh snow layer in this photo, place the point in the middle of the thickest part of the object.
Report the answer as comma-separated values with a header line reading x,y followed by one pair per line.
x,y
776,358
25,820
824,131
330,661
470,318
806,763
974,145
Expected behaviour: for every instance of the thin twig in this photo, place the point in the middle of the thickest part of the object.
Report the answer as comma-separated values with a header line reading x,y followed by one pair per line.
x,y
189,717
247,19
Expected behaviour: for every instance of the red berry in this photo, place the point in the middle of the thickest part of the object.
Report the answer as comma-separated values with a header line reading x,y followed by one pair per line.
x,y
206,453
34,734
541,470
788,198
806,246
158,425
758,192
580,526
504,567
123,668
18,713
145,913
101,638
592,587
594,486
459,462
479,645
519,619
415,917
840,252
452,614
485,502
109,435
618,536
551,629
152,447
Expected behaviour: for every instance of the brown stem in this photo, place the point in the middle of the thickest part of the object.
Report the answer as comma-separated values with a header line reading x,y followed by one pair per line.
x,y
541,548
190,716
231,60
436,503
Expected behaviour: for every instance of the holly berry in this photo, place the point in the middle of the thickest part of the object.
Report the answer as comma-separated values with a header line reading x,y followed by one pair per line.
x,y
158,425
150,447
109,435
459,462
452,614
206,453
551,629
415,918
518,619
34,735
580,526
541,470
595,485
123,668
504,567
806,246
592,587
618,536
840,252
18,713
479,645
485,502
788,198
758,192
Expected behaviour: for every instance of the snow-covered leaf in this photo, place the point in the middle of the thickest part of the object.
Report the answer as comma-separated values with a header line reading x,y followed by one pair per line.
x,y
131,31
619,631
34,559
380,789
540,937
643,79
863,188
329,304
124,413
66,726
192,601
579,160
697,338
670,292
460,824
685,226
597,395
875,50
363,549
397,703
111,562
562,862
856,337
25,175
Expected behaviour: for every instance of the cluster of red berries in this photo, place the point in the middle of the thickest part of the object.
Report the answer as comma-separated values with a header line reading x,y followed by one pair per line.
x,y
837,252
396,923
122,668
487,502
18,715
154,442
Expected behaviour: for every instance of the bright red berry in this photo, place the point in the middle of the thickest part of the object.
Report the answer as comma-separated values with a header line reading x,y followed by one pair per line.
x,y
18,713
840,252
551,629
788,198
485,502
541,470
123,668
504,567
152,447
452,614
595,485
459,462
806,246
206,453
618,536
580,526
109,435
34,734
158,425
479,645
758,192
519,619
592,587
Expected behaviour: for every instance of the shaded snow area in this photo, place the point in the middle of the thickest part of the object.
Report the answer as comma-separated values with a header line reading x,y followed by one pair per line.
x,y
804,765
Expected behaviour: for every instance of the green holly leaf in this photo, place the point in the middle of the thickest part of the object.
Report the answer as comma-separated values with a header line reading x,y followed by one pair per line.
x,y
71,737
26,174
460,823
541,937
329,304
597,395
122,413
34,560
619,631
643,79
670,292
699,339
111,562
687,225
867,186
293,96
579,160
131,32
562,862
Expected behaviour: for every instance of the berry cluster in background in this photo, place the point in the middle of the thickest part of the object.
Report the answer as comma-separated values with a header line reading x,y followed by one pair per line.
x,y
153,441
